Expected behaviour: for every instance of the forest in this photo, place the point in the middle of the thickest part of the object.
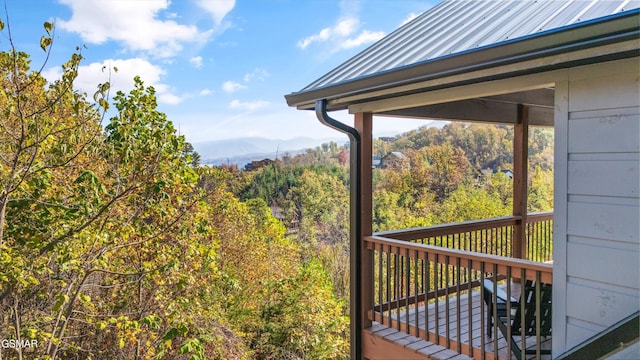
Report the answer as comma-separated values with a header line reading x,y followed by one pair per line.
x,y
115,243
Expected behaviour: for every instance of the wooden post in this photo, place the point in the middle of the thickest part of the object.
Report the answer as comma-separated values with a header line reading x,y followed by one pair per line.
x,y
520,175
364,124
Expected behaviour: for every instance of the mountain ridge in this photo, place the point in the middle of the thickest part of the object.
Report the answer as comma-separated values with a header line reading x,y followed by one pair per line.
x,y
239,151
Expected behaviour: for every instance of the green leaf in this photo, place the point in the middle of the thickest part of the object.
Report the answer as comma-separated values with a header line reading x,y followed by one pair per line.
x,y
174,332
60,300
85,298
1,25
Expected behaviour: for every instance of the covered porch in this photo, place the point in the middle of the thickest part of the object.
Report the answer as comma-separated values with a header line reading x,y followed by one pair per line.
x,y
413,289
430,292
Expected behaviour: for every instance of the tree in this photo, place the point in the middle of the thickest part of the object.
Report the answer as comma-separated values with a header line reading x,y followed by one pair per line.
x,y
323,202
449,168
541,190
471,203
302,318
114,244
94,226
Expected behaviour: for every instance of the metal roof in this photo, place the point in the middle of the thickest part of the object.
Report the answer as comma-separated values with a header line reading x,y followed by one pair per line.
x,y
460,26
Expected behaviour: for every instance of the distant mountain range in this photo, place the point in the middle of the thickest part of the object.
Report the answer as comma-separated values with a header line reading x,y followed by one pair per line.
x,y
243,150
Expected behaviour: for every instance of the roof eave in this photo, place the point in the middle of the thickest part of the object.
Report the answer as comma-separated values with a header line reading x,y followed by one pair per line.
x,y
612,29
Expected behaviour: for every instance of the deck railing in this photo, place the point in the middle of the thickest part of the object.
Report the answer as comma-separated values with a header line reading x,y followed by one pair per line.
x,y
489,236
427,282
540,236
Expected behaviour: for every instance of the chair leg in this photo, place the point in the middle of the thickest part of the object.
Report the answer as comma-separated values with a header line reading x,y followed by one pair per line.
x,y
515,347
490,320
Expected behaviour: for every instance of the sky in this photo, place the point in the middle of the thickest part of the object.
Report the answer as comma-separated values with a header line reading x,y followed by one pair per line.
x,y
220,68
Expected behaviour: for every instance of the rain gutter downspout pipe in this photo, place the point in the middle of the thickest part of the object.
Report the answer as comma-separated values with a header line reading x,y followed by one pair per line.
x,y
355,176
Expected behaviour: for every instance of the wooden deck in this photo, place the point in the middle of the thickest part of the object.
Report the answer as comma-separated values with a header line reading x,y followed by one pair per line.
x,y
457,333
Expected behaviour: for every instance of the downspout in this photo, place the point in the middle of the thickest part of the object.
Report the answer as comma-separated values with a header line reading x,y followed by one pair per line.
x,y
355,160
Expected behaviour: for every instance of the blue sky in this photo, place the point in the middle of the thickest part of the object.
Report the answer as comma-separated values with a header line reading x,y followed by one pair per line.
x,y
221,68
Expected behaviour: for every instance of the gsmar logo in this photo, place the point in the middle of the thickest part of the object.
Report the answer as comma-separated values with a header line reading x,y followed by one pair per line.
x,y
18,344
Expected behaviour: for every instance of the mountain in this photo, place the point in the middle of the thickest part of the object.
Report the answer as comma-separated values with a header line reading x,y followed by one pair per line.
x,y
242,150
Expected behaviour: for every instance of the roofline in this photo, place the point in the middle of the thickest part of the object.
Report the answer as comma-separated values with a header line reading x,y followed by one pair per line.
x,y
602,31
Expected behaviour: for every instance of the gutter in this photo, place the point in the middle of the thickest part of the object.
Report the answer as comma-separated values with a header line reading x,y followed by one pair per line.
x,y
355,258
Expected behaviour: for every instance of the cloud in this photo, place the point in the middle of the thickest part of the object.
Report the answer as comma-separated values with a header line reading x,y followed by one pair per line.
x,y
205,92
346,27
341,35
365,37
232,86
217,8
170,99
139,25
196,61
343,28
409,17
257,74
89,76
248,105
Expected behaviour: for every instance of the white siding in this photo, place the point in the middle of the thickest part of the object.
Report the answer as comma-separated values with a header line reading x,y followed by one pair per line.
x,y
598,230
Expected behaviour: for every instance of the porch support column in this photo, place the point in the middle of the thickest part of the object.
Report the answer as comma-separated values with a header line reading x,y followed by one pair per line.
x,y
520,176
364,270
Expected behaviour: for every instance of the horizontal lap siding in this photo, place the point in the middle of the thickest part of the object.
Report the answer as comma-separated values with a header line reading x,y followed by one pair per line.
x,y
600,258
603,186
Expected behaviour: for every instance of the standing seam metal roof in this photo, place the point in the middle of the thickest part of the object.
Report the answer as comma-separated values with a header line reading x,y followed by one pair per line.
x,y
456,26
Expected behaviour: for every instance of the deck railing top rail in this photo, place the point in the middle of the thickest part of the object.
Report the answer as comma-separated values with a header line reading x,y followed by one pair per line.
x,y
461,227
478,260
488,236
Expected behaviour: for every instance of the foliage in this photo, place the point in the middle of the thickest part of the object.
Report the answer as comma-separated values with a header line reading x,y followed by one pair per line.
x,y
296,323
115,244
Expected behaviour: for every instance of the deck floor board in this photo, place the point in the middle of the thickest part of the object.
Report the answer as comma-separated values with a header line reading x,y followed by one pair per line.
x,y
432,311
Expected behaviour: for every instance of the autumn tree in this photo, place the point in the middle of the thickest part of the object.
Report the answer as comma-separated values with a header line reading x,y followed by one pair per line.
x,y
98,227
115,244
302,319
449,167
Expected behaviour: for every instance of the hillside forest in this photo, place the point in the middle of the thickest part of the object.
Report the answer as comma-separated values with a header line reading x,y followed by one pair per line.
x,y
115,243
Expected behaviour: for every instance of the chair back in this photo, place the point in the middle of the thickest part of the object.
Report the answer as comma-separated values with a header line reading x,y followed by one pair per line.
x,y
528,327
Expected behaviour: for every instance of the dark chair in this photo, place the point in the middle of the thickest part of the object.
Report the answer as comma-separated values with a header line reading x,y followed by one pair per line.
x,y
518,327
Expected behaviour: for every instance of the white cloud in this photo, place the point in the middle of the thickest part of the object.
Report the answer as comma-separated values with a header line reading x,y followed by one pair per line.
x,y
323,35
205,92
217,8
248,105
89,76
168,98
364,37
346,26
409,17
136,24
232,86
257,74
343,28
196,61
341,34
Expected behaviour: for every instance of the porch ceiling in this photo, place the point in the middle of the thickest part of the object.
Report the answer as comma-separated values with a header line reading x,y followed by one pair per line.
x,y
493,109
